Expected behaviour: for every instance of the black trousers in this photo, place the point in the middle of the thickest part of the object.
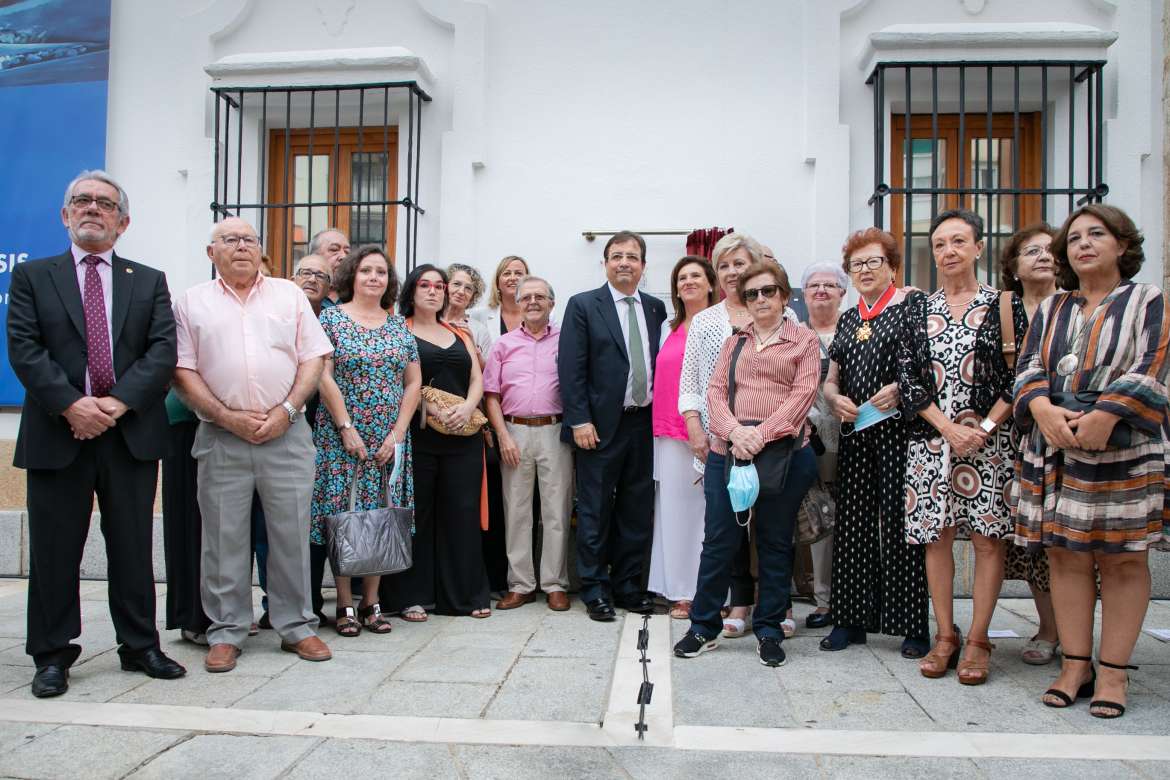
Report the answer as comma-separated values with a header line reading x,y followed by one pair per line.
x,y
448,570
59,505
182,532
615,506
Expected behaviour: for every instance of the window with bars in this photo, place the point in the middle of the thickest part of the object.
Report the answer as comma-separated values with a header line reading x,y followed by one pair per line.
x,y
1016,142
295,160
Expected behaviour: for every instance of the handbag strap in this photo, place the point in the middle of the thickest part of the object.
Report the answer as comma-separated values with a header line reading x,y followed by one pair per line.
x,y
1007,329
731,373
385,483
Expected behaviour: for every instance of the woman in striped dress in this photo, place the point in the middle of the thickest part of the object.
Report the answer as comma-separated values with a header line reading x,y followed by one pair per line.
x,y
1092,481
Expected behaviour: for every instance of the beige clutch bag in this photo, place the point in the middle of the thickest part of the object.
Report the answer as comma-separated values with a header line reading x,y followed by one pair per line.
x,y
435,400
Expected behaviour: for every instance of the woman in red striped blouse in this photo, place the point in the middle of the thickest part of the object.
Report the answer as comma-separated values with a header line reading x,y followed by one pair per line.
x,y
776,378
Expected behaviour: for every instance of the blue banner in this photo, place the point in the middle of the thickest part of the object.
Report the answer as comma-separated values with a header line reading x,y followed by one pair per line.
x,y
54,69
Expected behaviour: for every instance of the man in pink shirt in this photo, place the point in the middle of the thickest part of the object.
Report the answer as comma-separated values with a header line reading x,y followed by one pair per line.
x,y
250,354
523,396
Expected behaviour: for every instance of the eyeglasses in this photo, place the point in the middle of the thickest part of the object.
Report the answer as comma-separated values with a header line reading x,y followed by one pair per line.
x,y
867,263
1032,251
534,297
826,286
85,201
436,286
768,291
248,241
308,273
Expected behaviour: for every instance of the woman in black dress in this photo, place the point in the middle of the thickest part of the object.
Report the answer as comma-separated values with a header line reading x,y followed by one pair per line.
x,y
448,574
879,581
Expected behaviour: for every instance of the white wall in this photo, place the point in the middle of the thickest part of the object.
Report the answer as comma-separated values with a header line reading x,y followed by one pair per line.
x,y
599,115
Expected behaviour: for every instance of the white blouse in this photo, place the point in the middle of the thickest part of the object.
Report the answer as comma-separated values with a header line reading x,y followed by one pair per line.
x,y
709,329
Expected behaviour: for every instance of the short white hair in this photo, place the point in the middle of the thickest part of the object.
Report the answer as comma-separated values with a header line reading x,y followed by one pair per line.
x,y
833,269
530,279
105,178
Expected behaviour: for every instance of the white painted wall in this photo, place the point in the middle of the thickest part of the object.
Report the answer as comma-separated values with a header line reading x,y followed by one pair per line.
x,y
597,115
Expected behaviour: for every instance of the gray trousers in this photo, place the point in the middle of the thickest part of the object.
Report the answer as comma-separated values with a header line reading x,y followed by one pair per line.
x,y
281,471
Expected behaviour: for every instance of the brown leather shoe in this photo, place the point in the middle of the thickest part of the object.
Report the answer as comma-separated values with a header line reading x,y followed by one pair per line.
x,y
514,599
221,657
310,649
558,600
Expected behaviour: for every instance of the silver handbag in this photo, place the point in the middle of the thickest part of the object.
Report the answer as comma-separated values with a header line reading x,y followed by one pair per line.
x,y
371,541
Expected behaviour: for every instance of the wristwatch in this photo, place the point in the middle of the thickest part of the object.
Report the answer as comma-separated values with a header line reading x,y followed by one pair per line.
x,y
345,426
988,424
293,413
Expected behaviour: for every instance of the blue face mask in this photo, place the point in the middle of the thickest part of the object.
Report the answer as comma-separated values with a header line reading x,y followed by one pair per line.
x,y
868,415
743,486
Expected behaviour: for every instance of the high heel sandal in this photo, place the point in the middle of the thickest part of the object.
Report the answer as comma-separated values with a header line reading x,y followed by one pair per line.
x,y
1085,689
938,660
347,623
373,619
1120,708
975,672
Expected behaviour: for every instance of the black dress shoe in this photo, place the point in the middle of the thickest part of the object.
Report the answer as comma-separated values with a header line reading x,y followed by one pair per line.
x,y
600,609
264,622
641,603
819,620
50,680
153,663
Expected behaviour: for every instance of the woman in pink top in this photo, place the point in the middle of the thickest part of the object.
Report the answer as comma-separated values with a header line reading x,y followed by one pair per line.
x,y
678,500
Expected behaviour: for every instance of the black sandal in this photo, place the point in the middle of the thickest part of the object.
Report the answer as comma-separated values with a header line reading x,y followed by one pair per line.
x,y
1120,708
374,620
347,624
1086,688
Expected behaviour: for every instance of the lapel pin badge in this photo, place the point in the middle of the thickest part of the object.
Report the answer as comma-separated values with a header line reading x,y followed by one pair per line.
x,y
129,270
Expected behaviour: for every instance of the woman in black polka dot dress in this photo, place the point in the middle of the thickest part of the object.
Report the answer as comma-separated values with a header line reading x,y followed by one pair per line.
x,y
879,581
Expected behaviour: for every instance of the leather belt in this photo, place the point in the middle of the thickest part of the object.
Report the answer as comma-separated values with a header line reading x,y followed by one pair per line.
x,y
635,409
548,419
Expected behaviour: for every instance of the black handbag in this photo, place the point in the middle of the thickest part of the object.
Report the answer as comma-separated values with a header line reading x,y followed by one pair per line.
x,y
773,460
1083,401
372,541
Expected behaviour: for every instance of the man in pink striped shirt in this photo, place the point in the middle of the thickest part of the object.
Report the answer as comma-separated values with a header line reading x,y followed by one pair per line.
x,y
523,395
250,354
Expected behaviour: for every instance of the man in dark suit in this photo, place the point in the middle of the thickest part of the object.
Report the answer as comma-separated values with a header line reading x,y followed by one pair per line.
x,y
91,337
609,342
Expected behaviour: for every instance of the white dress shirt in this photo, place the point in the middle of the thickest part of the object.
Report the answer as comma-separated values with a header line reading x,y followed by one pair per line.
x,y
105,271
623,312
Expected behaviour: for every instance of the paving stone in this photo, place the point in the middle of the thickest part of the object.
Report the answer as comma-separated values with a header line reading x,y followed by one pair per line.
x,y
519,763
1034,769
340,685
12,541
13,735
376,759
643,763
862,710
560,635
565,689
86,751
98,679
874,767
729,687
197,689
811,669
429,699
458,662
14,677
212,756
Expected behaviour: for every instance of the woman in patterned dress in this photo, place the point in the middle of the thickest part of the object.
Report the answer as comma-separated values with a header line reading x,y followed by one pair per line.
x,y
1027,268
879,579
369,391
956,394
1087,498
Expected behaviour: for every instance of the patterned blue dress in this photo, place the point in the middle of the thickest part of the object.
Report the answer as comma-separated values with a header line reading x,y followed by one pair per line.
x,y
369,367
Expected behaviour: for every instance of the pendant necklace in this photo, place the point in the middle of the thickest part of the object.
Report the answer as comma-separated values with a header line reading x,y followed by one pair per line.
x,y
867,313
1068,364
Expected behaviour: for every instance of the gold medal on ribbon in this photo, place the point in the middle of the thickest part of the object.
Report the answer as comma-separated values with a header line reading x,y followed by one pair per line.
x,y
864,332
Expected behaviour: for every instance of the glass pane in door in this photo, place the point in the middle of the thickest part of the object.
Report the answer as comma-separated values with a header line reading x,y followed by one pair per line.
x,y
308,220
368,183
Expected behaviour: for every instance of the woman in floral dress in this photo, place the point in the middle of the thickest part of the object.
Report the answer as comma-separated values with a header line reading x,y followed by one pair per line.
x,y
956,390
369,392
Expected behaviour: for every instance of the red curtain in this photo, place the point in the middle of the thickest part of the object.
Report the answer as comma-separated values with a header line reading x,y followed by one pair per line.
x,y
701,242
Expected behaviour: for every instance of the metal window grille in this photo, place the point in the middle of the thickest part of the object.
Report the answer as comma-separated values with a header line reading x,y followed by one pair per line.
x,y
248,120
984,172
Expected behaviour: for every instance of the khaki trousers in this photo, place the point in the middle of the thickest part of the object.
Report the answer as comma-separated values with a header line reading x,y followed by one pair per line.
x,y
547,461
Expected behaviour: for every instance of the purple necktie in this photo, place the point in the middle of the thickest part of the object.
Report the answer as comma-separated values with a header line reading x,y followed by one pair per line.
x,y
97,331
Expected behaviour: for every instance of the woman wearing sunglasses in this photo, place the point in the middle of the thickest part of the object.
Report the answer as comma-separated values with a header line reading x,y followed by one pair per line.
x,y
776,375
